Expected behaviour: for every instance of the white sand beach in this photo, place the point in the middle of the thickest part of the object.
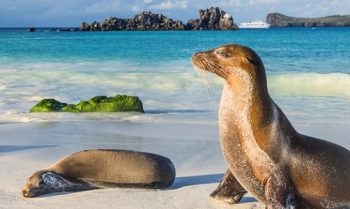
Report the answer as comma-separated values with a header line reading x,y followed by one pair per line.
x,y
193,148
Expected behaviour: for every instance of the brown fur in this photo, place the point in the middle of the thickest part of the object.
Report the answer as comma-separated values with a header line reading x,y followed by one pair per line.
x,y
229,190
268,157
93,169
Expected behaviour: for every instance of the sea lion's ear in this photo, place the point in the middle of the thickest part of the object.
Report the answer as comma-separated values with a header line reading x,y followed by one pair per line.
x,y
249,60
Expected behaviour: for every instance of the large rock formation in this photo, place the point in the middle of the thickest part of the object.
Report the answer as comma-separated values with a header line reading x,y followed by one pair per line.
x,y
149,21
209,19
143,21
280,20
119,103
212,19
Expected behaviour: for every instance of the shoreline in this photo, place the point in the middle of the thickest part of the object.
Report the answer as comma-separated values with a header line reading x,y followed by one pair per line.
x,y
196,156
193,148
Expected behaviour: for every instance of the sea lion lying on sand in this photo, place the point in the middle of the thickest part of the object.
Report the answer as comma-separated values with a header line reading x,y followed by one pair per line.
x,y
266,156
95,169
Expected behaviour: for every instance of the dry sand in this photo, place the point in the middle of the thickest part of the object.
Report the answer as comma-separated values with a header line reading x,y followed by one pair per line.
x,y
193,148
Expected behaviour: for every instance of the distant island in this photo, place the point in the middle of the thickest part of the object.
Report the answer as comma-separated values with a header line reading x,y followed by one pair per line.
x,y
209,19
212,18
281,20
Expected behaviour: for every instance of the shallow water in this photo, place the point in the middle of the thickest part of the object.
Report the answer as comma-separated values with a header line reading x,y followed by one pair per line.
x,y
308,72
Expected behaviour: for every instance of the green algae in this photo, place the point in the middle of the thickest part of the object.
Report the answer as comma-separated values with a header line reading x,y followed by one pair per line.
x,y
118,103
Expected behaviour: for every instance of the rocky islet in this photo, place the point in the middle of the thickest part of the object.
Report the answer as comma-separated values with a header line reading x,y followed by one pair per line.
x,y
281,20
209,19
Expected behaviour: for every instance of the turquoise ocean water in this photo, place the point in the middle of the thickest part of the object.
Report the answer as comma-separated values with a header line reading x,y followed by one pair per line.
x,y
308,72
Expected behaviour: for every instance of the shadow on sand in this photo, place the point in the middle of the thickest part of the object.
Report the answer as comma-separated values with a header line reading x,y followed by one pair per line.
x,y
185,181
11,148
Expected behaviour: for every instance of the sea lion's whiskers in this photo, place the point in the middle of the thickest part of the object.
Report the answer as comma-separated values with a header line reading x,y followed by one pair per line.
x,y
202,70
214,67
214,64
208,85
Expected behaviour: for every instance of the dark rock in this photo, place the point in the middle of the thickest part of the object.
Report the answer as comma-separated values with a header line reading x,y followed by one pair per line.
x,y
119,103
280,20
95,26
209,19
212,19
143,21
85,26
227,23
31,29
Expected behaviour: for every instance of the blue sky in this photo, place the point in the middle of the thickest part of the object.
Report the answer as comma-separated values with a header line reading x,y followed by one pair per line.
x,y
24,13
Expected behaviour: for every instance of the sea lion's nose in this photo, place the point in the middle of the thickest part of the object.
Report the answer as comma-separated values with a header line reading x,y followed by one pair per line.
x,y
26,193
196,55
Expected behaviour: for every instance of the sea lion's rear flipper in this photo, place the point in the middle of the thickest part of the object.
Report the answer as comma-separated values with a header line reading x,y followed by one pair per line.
x,y
229,190
283,195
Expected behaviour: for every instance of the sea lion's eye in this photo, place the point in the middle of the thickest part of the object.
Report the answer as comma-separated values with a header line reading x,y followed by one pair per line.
x,y
222,53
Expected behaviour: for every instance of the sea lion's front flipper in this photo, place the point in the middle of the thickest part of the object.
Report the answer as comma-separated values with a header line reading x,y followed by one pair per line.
x,y
60,183
229,190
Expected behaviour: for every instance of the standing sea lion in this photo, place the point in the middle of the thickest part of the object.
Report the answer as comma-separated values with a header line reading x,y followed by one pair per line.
x,y
94,169
266,155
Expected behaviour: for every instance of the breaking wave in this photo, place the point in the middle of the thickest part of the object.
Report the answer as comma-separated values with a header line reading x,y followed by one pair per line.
x,y
310,84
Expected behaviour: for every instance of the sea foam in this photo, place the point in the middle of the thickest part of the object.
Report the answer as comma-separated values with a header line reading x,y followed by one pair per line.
x,y
173,90
310,84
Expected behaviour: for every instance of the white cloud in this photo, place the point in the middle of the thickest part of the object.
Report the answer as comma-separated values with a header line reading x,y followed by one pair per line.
x,y
241,3
340,2
263,2
103,6
168,5
135,8
229,3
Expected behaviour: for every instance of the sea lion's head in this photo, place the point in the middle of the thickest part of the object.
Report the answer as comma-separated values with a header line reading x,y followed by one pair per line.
x,y
43,182
34,185
230,62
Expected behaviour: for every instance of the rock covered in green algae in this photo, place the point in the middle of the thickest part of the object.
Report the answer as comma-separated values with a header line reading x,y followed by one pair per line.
x,y
119,103
48,105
